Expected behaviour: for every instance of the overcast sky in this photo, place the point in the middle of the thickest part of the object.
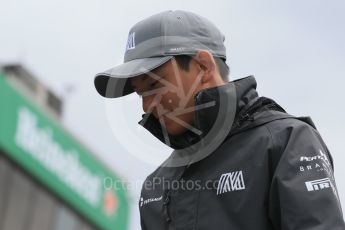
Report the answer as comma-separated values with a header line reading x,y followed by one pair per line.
x,y
294,48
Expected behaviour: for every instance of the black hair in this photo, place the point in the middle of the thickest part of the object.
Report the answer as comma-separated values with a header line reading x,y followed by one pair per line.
x,y
224,70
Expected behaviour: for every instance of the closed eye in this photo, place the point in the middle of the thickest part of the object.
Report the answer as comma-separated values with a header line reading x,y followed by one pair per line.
x,y
153,84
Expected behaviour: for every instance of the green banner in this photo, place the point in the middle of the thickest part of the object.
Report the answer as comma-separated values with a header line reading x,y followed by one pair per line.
x,y
41,146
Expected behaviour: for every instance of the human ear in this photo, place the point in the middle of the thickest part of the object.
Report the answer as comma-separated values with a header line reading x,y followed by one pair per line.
x,y
206,63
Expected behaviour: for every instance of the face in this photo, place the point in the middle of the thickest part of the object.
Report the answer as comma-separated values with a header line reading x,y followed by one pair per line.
x,y
168,93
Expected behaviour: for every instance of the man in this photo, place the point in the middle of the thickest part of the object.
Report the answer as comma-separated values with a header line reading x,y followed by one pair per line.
x,y
239,160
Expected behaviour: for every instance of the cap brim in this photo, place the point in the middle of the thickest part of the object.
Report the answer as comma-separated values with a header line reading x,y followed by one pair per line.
x,y
114,82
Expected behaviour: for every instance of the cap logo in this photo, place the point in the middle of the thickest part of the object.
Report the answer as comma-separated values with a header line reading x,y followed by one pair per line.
x,y
177,49
130,42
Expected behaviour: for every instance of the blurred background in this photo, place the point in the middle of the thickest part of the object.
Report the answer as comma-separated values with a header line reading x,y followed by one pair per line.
x,y
59,137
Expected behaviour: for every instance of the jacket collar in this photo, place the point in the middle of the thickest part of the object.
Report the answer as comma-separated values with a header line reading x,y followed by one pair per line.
x,y
246,95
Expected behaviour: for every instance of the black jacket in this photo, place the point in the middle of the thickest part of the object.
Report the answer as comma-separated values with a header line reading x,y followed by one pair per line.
x,y
273,171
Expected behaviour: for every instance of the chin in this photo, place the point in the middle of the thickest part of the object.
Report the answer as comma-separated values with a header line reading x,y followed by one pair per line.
x,y
175,129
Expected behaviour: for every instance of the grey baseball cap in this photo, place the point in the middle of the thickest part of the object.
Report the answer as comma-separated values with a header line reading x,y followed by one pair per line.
x,y
154,41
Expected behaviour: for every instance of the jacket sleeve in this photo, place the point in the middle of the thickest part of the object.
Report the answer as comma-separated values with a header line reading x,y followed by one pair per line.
x,y
303,193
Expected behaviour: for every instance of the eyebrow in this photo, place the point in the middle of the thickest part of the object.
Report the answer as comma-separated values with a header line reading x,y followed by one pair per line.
x,y
146,76
143,78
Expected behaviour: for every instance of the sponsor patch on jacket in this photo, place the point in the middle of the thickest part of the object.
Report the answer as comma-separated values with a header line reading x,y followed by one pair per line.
x,y
149,200
315,163
320,156
229,182
320,184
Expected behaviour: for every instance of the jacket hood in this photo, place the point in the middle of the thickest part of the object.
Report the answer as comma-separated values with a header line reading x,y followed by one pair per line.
x,y
234,103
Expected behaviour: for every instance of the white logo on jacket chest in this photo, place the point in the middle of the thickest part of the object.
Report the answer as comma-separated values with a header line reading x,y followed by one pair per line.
x,y
229,182
149,200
